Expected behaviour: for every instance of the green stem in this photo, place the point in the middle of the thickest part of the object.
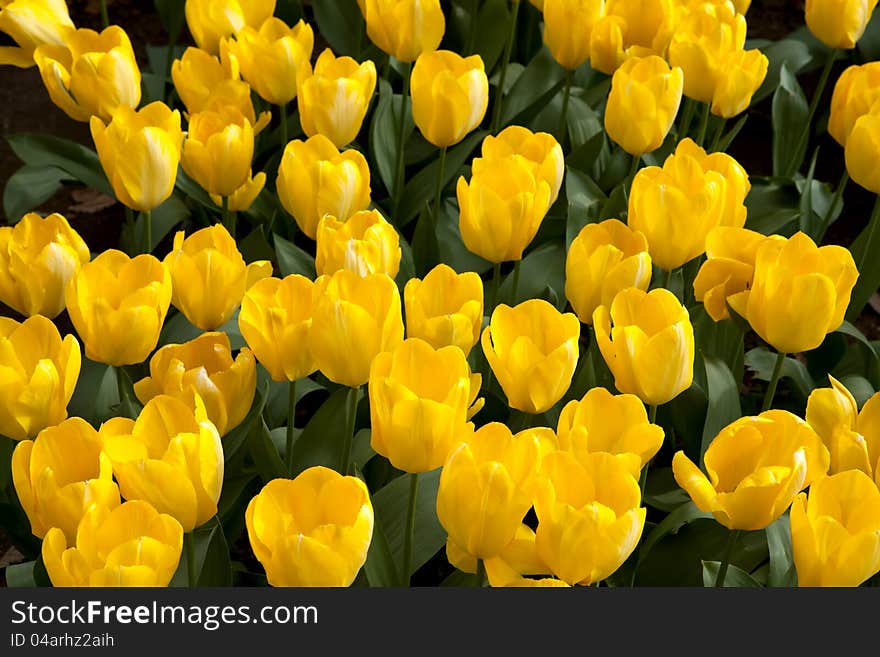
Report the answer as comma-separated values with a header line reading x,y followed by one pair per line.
x,y
228,217
282,111
508,48
814,102
838,194
728,554
401,130
687,118
631,176
872,226
410,528
472,33
441,171
517,265
496,283
652,413
480,575
704,124
349,429
566,95
667,279
719,132
148,231
121,388
774,381
522,422
190,559
291,415
105,17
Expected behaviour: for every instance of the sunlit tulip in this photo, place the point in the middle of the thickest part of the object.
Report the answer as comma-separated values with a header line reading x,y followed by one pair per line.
x,y
744,73
314,530
38,256
61,474
404,28
568,25
218,150
243,197
209,21
839,23
366,243
30,24
863,149
856,91
630,29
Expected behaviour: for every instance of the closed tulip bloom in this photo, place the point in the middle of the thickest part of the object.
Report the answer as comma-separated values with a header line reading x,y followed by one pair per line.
x,y
209,276
744,73
855,92
487,485
314,530
354,319
519,557
315,179
270,56
839,23
61,474
799,294
118,304
40,371
602,260
366,243
210,21
533,350
243,197
171,457
333,99
197,73
756,466
567,28
31,24
140,152
650,349
630,29
863,149
835,531
204,366
445,308
38,256
218,150
644,99
275,319
404,28
450,94
131,545
590,516
501,208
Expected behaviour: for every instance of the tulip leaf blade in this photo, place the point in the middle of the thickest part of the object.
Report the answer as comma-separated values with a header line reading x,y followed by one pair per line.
x,y
450,245
383,136
265,455
28,574
535,86
791,53
340,22
724,404
238,437
782,571
863,248
542,268
322,439
292,259
760,360
211,555
39,150
585,201
28,188
790,115
493,26
380,567
671,524
772,208
736,577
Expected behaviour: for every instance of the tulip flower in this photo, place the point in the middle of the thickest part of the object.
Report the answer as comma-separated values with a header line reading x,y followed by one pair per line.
x,y
532,349
756,466
863,149
354,319
366,243
131,545
590,516
839,23
171,457
204,366
275,319
800,292
644,99
38,256
568,25
61,474
40,373
404,28
602,260
744,73
314,530
243,197
209,276
445,308
315,179
630,29
140,152
450,95
333,99
835,531
218,150
118,304
856,91
210,21
30,24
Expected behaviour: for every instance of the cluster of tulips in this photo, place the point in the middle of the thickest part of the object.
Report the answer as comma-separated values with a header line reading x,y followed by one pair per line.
x,y
113,503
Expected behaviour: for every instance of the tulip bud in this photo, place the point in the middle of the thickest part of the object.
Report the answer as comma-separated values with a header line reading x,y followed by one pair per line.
x,y
37,259
856,91
243,197
743,73
210,21
315,179
31,24
568,25
131,545
365,243
450,95
314,530
197,73
404,28
61,474
218,150
863,149
839,23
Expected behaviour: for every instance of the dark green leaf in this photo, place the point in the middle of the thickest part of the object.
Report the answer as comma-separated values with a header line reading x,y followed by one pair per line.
x,y
153,87
782,571
292,259
735,577
383,135
771,208
237,438
379,567
163,220
28,188
265,455
761,362
493,25
28,574
671,524
171,13
341,23
790,114
322,440
543,267
211,554
540,80
451,248
793,54
723,394
585,201
864,250
39,150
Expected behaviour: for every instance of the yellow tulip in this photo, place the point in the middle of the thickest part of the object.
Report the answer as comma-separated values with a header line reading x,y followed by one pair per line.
x,y
743,73
315,179
333,99
487,485
532,349
450,95
518,558
131,545
210,21
204,366
839,23
354,319
756,465
629,29
650,349
863,149
38,256
275,319
404,28
590,516
270,55
568,25
314,530
419,403
856,91
61,474
445,308
365,243
171,457
209,276
140,152
742,6
218,150
118,304
243,197
501,208
800,292
602,260
40,371
676,205
31,24
644,99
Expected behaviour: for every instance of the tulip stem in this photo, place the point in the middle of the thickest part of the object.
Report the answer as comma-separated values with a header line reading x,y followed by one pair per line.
x,y
401,130
282,112
190,546
410,528
652,413
351,416
704,124
814,103
686,118
728,555
480,575
566,95
517,265
774,381
496,283
441,170
291,414
505,60
719,132
472,32
228,217
148,231
838,194
105,17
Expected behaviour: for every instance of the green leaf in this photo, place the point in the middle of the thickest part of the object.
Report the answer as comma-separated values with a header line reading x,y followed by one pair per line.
x,y
236,439
538,82
28,188
864,250
583,123
425,246
782,570
191,188
171,13
735,577
790,114
212,565
265,455
671,524
791,53
771,208
40,150
340,23
163,220
383,134
585,201
292,259
322,440
28,574
761,361
544,267
450,246
852,331
493,26
153,87
723,394
380,568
